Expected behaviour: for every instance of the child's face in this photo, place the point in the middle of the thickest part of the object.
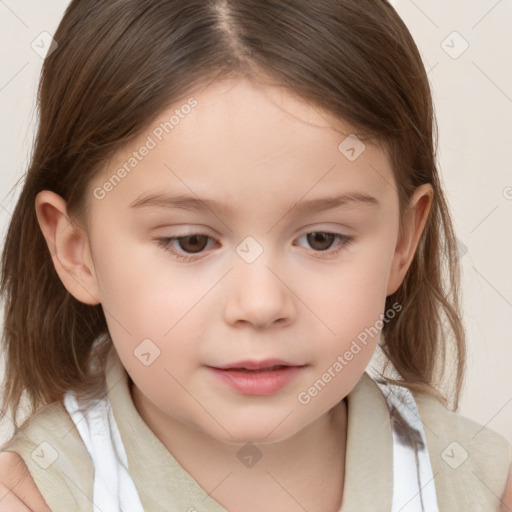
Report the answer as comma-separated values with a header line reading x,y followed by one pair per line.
x,y
259,288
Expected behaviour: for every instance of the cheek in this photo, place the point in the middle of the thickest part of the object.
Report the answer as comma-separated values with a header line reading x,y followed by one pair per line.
x,y
353,295
147,309
351,302
141,287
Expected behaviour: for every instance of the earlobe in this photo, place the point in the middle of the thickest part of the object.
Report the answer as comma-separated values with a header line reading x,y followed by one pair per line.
x,y
68,246
415,220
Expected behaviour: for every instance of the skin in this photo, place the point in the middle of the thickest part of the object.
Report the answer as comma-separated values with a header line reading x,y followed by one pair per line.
x,y
260,150
18,491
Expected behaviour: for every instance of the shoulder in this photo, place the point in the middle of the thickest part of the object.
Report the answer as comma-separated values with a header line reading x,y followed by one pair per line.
x,y
471,462
507,495
15,476
48,452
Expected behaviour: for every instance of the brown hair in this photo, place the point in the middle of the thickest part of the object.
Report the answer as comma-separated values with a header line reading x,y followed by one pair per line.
x,y
120,63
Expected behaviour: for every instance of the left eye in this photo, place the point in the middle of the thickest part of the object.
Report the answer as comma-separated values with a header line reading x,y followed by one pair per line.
x,y
196,243
323,239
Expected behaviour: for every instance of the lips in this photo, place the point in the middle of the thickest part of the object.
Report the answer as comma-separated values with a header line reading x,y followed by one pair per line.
x,y
259,378
260,370
251,365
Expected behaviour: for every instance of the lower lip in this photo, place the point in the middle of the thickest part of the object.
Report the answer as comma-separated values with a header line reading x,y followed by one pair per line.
x,y
258,383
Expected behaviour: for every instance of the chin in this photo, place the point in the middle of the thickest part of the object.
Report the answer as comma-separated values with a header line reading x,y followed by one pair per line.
x,y
268,432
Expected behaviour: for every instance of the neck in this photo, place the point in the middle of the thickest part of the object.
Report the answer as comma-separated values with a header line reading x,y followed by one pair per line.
x,y
305,471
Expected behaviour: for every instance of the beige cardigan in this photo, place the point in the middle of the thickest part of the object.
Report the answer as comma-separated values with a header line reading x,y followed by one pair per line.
x,y
67,484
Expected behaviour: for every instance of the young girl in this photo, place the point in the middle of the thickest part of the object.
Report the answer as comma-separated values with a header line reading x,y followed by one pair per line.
x,y
294,139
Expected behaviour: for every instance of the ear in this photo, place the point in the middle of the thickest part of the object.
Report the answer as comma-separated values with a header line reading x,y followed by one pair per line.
x,y
415,219
69,248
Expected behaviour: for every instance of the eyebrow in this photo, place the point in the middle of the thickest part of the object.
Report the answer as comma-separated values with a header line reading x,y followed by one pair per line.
x,y
191,203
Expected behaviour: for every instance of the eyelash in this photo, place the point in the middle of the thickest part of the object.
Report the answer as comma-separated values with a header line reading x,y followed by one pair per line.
x,y
166,244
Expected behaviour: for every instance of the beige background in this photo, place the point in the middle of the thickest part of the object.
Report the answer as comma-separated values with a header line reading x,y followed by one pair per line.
x,y
473,95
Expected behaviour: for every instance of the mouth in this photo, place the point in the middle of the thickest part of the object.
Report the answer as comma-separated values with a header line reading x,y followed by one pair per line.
x,y
264,365
257,378
260,370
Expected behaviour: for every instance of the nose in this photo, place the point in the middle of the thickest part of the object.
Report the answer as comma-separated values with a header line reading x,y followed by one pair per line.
x,y
259,295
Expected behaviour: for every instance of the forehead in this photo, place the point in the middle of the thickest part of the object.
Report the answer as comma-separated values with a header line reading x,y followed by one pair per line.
x,y
242,142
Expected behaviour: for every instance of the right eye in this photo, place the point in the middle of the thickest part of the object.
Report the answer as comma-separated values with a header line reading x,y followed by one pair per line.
x,y
190,244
